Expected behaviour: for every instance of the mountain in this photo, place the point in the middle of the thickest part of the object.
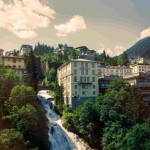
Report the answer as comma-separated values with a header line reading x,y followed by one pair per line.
x,y
140,48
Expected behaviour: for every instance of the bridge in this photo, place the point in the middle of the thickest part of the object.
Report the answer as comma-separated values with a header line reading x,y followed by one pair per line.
x,y
43,88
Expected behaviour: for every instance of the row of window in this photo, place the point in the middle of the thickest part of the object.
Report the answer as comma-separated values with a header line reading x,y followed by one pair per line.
x,y
86,93
14,60
84,72
84,79
84,64
114,70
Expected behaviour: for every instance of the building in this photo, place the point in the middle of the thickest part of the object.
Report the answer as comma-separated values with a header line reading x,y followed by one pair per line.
x,y
114,70
1,55
16,63
25,49
142,81
79,78
105,81
142,65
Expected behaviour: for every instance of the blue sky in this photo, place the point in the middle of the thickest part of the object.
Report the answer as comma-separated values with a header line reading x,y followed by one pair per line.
x,y
112,25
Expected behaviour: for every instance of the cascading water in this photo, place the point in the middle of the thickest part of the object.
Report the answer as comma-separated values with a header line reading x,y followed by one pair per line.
x,y
60,138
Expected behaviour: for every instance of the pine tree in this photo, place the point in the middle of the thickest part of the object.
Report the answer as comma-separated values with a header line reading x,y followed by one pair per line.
x,y
31,71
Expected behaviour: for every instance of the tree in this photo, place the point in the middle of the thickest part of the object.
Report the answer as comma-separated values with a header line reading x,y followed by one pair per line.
x,y
31,71
12,139
138,137
21,95
8,79
123,60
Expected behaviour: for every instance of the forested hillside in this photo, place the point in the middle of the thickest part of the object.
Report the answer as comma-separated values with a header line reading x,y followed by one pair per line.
x,y
141,48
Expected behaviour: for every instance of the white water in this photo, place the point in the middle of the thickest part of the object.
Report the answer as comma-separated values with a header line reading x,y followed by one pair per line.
x,y
59,137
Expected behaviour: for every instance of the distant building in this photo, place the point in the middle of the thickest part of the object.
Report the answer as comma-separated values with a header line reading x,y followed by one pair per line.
x,y
79,78
25,49
104,82
82,49
114,70
16,63
142,65
142,81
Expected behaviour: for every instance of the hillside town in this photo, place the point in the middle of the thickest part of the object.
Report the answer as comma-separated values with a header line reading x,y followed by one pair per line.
x,y
84,78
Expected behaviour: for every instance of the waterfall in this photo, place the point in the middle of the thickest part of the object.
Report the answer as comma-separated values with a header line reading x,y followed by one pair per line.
x,y
59,137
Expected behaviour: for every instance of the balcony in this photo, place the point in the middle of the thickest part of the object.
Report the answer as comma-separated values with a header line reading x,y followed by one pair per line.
x,y
85,82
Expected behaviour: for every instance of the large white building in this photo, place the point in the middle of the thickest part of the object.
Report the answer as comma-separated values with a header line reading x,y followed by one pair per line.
x,y
79,78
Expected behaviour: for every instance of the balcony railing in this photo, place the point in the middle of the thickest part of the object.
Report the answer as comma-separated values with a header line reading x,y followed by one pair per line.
x,y
85,82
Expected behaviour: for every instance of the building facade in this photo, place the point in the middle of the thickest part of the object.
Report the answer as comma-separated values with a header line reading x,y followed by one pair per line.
x,y
114,71
142,81
79,78
16,63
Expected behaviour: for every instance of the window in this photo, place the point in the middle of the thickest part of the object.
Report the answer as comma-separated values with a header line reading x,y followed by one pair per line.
x,y
93,65
75,86
81,79
88,79
94,92
75,79
86,64
84,79
86,72
75,64
93,72
93,79
82,64
93,86
19,60
75,71
84,86
83,92
82,72
14,60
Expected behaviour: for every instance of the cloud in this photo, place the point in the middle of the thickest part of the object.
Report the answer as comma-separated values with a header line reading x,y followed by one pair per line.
x,y
145,33
24,17
75,24
117,50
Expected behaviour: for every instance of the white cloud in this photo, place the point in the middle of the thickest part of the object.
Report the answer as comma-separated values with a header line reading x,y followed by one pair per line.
x,y
145,33
111,52
24,17
75,24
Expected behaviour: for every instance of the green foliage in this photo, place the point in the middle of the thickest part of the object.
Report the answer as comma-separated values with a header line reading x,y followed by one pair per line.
x,y
138,137
21,95
85,122
8,79
27,116
31,71
11,139
113,137
123,60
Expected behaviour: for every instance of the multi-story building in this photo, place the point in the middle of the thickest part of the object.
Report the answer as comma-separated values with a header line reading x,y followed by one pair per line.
x,y
142,65
79,78
16,63
114,70
142,81
1,55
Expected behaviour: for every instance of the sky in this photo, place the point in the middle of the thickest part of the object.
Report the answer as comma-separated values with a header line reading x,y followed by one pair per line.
x,y
113,25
